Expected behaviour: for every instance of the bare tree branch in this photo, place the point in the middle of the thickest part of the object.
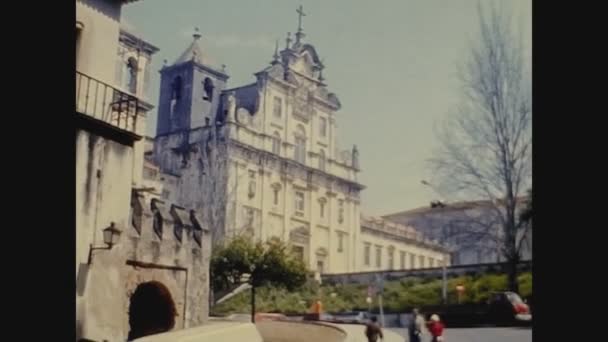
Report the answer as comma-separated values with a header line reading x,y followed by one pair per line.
x,y
486,143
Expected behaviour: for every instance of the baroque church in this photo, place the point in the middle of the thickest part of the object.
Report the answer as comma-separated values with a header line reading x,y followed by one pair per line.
x,y
262,159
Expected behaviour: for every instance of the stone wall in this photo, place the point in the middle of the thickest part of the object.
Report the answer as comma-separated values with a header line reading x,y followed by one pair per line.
x,y
451,271
163,243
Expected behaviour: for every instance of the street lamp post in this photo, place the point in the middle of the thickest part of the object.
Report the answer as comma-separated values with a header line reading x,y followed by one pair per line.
x,y
444,292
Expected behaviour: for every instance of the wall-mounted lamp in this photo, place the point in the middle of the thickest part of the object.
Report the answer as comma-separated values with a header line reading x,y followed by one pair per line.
x,y
111,235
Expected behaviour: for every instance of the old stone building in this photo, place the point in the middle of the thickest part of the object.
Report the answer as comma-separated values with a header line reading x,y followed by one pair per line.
x,y
386,245
471,228
127,241
263,159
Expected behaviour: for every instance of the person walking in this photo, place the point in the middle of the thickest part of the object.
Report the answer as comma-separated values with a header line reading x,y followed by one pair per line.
x,y
436,328
373,330
416,326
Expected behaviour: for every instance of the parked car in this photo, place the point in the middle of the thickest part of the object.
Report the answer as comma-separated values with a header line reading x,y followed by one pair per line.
x,y
501,308
508,307
353,317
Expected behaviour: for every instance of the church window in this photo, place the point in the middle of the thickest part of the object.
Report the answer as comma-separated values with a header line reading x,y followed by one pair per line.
x,y
298,252
208,89
300,149
322,160
320,266
323,127
277,107
299,201
322,202
340,242
421,261
402,259
249,217
275,190
275,199
276,143
176,88
366,253
412,261
252,184
391,258
378,256
132,75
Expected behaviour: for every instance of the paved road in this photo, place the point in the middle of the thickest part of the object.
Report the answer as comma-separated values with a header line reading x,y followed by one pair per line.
x,y
481,334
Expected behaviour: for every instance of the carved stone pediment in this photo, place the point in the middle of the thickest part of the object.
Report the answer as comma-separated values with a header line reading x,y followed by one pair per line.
x,y
302,107
299,235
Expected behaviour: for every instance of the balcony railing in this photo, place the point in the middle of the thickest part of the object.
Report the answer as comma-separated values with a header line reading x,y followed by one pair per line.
x,y
106,103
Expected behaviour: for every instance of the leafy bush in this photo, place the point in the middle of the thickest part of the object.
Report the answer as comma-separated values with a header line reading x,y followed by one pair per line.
x,y
399,295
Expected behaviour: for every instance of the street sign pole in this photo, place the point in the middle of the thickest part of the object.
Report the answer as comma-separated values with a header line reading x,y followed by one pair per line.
x,y
445,284
370,294
381,309
380,287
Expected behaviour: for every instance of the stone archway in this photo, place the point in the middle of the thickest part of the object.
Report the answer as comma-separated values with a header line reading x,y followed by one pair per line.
x,y
151,310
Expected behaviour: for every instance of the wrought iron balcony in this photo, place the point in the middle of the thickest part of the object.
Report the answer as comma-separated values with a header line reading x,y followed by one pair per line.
x,y
106,103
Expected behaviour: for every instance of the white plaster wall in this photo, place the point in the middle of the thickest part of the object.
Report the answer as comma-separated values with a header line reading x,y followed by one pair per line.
x,y
278,220
409,249
96,55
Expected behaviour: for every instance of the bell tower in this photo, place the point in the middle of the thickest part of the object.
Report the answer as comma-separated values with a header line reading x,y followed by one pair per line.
x,y
190,90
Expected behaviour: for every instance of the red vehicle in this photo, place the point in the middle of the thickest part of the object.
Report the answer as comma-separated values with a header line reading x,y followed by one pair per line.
x,y
508,307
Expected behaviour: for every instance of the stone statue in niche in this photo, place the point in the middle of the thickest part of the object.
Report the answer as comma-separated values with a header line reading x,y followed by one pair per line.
x,y
301,106
230,105
355,157
243,117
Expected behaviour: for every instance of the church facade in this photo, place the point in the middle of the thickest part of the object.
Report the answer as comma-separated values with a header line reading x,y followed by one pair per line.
x,y
262,159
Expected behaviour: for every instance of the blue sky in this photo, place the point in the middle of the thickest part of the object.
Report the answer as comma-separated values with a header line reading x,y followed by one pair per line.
x,y
391,62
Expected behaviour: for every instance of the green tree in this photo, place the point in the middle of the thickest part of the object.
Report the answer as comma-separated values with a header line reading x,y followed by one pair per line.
x,y
242,261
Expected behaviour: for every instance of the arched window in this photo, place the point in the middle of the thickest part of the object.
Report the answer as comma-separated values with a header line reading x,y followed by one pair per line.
x,y
276,188
322,160
276,143
132,75
208,89
322,202
176,88
300,149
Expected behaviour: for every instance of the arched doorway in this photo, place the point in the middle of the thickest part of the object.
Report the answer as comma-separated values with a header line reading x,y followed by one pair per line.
x,y
151,310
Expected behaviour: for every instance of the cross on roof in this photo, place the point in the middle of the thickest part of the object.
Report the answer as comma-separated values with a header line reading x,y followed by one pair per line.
x,y
301,14
196,34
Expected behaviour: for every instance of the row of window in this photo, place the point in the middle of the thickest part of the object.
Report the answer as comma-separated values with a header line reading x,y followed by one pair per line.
x,y
277,110
415,261
299,196
299,151
300,203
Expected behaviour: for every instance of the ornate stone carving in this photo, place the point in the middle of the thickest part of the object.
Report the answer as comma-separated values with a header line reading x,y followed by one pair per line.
x,y
301,104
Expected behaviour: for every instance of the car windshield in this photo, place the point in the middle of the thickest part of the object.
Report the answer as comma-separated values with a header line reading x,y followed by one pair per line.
x,y
514,298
